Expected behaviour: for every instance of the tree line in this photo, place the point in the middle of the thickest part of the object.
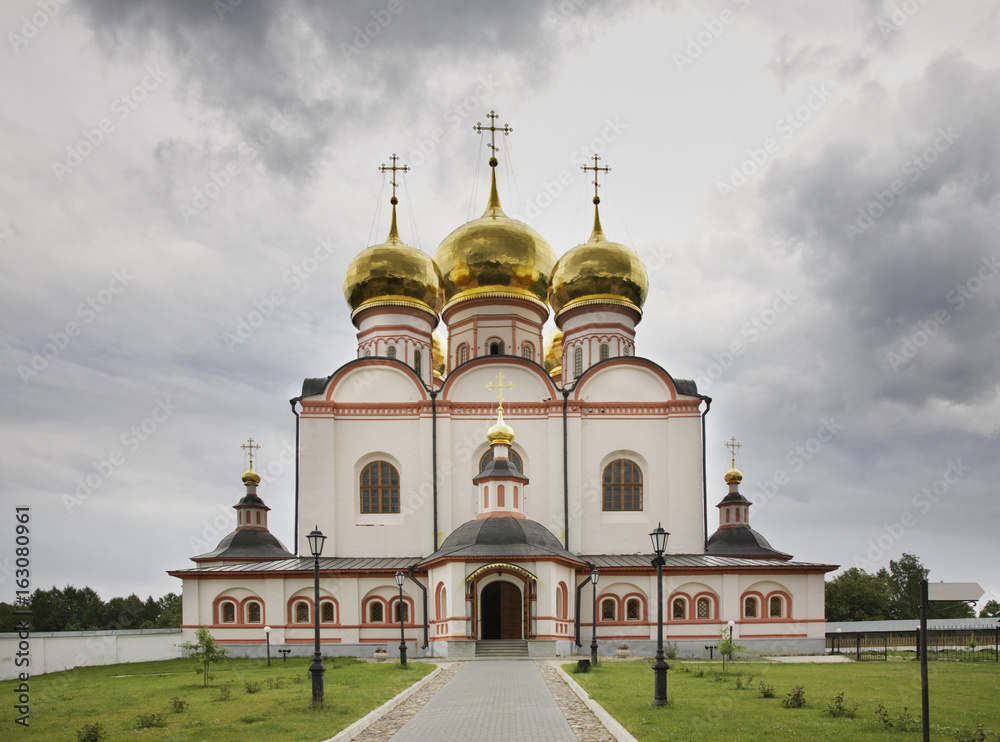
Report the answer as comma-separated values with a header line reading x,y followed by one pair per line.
x,y
894,593
82,609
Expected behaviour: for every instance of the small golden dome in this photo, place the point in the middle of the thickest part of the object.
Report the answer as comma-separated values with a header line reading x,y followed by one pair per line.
x,y
553,345
250,476
495,255
393,274
734,475
598,272
439,352
500,432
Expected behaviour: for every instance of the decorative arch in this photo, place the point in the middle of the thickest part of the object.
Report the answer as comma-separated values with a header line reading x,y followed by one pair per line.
x,y
377,477
407,605
441,601
231,609
562,601
375,610
622,486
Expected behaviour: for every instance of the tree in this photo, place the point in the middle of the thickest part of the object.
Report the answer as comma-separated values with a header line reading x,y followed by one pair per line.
x,y
170,606
990,610
856,595
904,583
205,650
727,646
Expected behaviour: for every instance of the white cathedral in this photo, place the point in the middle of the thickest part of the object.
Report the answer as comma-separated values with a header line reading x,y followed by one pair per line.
x,y
496,470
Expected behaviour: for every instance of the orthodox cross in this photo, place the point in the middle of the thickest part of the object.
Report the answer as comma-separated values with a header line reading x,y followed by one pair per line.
x,y
394,167
595,168
492,129
500,386
250,446
732,445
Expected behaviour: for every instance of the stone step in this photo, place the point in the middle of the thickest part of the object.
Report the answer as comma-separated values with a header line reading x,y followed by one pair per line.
x,y
501,648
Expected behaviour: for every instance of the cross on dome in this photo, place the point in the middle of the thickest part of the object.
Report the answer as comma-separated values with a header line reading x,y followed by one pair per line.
x,y
595,168
732,445
386,168
500,386
251,447
492,129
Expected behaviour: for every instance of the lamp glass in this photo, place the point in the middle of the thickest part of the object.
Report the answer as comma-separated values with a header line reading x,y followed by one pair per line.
x,y
399,579
594,574
659,539
316,540
267,629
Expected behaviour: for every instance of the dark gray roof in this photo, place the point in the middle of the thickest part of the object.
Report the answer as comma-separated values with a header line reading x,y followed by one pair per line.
x,y
500,468
741,541
686,386
298,564
692,561
491,538
248,544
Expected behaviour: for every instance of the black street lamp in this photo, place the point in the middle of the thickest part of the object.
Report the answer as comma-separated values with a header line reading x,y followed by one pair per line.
x,y
316,539
402,625
594,574
267,636
660,666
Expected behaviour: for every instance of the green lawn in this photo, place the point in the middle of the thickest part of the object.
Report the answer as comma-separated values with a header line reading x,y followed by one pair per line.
x,y
704,708
61,703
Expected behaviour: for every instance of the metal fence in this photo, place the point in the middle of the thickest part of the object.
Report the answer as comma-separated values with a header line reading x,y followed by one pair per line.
x,y
959,644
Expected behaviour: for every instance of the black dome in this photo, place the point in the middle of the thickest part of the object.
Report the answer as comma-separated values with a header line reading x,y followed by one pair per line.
x,y
741,542
502,537
248,544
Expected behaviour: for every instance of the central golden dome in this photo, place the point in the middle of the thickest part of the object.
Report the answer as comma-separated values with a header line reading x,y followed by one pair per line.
x,y
393,274
598,272
495,255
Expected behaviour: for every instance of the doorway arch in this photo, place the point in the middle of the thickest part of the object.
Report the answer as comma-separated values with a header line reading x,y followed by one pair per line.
x,y
501,611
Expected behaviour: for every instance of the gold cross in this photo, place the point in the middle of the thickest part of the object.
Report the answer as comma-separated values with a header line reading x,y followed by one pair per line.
x,y
595,168
384,168
500,386
492,129
732,445
250,446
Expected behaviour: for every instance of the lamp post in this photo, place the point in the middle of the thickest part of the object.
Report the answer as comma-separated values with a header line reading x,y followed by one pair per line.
x,y
660,666
267,636
316,539
402,626
594,574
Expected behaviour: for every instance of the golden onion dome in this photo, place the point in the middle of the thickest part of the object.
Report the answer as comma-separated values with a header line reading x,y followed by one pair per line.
x,y
495,256
553,345
250,476
734,475
598,272
393,274
439,351
500,432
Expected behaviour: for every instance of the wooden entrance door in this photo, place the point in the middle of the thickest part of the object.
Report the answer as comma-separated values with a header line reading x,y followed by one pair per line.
x,y
501,611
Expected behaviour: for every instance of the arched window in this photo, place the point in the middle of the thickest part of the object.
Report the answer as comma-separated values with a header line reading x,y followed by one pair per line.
x,y
704,608
622,485
368,354
633,609
608,609
391,351
301,612
774,607
228,612
463,353
379,488
625,350
488,457
679,611
578,362
605,352
253,612
328,613
375,614
400,607
442,606
527,351
560,601
750,608
496,347
417,361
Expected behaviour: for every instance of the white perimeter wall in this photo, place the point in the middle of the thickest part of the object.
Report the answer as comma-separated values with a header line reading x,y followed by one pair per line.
x,y
61,650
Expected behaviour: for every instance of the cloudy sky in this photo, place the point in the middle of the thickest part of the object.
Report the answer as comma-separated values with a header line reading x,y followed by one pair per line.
x,y
813,187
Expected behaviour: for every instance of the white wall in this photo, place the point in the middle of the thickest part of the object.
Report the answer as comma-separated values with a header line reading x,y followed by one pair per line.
x,y
61,650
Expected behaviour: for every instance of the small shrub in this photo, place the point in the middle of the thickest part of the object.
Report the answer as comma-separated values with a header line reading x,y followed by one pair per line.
x,y
252,686
699,672
766,691
274,683
744,683
837,708
91,733
670,649
974,735
904,722
298,678
150,720
225,692
178,704
717,677
796,699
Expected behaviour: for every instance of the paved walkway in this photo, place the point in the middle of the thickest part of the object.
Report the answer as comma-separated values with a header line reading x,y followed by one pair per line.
x,y
490,702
